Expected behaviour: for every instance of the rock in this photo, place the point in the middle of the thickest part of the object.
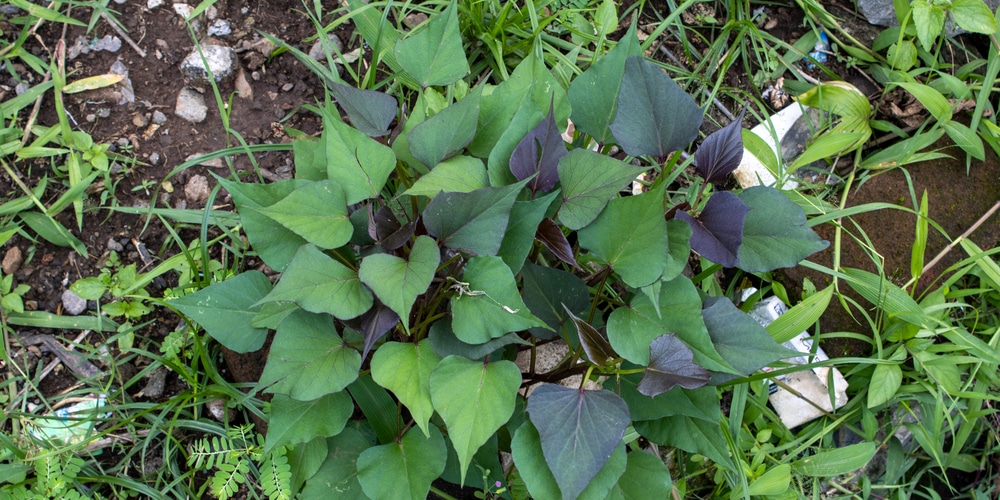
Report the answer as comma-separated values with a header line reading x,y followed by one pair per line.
x,y
12,261
220,60
317,52
196,190
184,10
219,27
415,18
103,113
154,158
881,13
153,4
91,118
159,118
139,120
191,106
155,382
72,303
114,246
214,162
125,87
108,43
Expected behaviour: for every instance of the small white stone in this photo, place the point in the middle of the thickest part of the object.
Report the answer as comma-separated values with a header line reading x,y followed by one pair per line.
x,y
184,10
191,106
153,4
72,303
220,60
196,190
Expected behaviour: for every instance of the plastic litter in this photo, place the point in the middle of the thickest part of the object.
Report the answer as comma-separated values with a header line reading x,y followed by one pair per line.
x,y
71,425
820,51
811,385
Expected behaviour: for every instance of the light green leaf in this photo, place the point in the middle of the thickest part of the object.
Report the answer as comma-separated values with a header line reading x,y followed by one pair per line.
x,y
474,399
836,461
631,236
526,448
799,318
225,310
472,222
775,234
589,180
403,469
316,211
606,18
357,162
91,288
445,343
974,16
965,138
488,305
886,380
435,55
646,476
446,132
293,422
397,282
274,243
773,482
929,20
308,359
933,100
405,369
320,284
460,174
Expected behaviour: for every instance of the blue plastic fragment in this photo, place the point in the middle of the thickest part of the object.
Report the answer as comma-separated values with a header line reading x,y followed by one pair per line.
x,y
819,52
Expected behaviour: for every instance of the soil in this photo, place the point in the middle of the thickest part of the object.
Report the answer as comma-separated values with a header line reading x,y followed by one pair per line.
x,y
280,86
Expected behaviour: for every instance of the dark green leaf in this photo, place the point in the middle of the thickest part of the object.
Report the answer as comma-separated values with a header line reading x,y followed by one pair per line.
x,y
578,430
487,303
53,232
446,132
474,399
403,469
741,341
306,460
654,116
526,448
589,180
435,55
472,222
689,434
594,94
320,284
380,410
525,217
445,343
775,234
646,476
670,365
273,242
308,359
316,211
225,310
339,471
701,403
370,111
294,422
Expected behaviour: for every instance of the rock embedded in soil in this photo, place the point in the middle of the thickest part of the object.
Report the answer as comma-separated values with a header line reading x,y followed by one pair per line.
x,y
159,118
191,105
318,53
196,190
72,303
12,260
219,59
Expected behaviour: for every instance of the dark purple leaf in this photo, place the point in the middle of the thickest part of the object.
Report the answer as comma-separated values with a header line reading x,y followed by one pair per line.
x,y
671,364
386,230
373,324
721,152
539,152
552,237
717,233
579,430
596,345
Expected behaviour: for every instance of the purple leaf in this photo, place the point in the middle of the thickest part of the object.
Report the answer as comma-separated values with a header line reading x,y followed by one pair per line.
x,y
374,324
595,344
385,229
721,152
718,232
671,364
552,237
539,152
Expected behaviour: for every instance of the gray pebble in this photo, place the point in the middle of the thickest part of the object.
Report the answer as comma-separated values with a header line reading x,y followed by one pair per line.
x,y
72,303
108,43
154,158
114,246
220,60
155,383
317,52
191,105
159,118
152,4
219,27
103,112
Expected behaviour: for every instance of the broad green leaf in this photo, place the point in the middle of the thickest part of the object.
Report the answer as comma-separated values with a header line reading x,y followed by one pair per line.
x,y
405,369
357,162
435,55
689,434
578,430
487,458
902,55
606,19
445,133
308,359
272,314
773,482
474,399
309,154
965,138
885,381
274,243
52,231
646,476
487,304
836,461
317,212
974,16
320,284
445,343
546,291
370,111
306,460
525,216
701,403
631,236
397,282
589,180
294,422
339,471
655,116
739,339
775,234
678,249
91,288
225,310
799,318
460,174
420,112
472,222
632,329
526,448
403,469
929,20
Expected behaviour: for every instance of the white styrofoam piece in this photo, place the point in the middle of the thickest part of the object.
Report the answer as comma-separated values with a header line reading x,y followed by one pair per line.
x,y
751,171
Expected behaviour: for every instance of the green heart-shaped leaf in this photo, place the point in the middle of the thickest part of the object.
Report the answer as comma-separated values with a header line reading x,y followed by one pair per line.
x,y
225,310
589,180
403,469
435,56
405,369
526,448
294,421
398,282
594,94
357,162
446,132
775,234
319,284
316,211
472,222
488,304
